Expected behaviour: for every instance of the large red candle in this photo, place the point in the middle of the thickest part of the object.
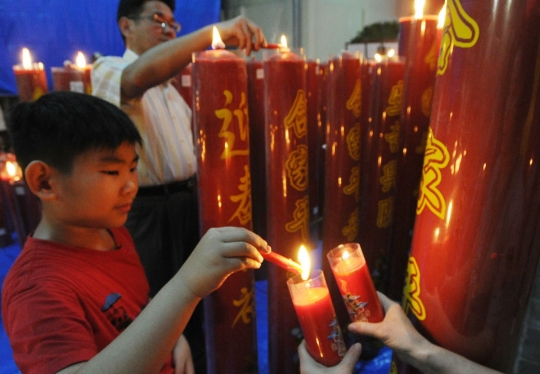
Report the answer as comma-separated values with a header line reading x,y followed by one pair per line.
x,y
380,161
222,132
71,78
475,244
314,141
255,70
342,179
322,107
287,192
418,84
315,312
30,78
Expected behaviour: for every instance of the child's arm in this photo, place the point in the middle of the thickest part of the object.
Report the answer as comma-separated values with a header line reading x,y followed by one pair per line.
x,y
145,345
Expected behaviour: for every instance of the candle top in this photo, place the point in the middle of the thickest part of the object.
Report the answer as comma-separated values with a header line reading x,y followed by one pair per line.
x,y
349,265
428,17
216,54
310,296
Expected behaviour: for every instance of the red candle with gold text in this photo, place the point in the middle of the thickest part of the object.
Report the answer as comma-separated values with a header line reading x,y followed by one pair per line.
x,y
317,317
380,161
418,84
287,191
73,77
221,125
314,140
30,78
354,281
475,245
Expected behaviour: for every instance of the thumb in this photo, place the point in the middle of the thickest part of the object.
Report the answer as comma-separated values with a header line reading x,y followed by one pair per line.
x,y
364,328
350,359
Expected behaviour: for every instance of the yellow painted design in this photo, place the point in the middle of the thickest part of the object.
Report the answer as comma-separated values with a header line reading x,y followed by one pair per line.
x,y
385,212
351,230
459,30
243,212
246,303
38,92
393,368
411,300
300,220
427,98
353,142
388,178
354,103
227,115
431,58
297,168
353,188
436,158
394,100
392,138
297,116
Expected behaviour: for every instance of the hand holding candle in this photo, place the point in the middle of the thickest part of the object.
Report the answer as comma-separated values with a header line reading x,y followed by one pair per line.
x,y
284,262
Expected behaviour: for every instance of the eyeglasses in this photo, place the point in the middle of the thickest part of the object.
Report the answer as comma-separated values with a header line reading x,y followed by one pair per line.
x,y
159,19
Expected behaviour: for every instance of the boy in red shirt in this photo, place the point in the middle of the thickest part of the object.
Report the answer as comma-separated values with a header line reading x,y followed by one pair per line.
x,y
76,299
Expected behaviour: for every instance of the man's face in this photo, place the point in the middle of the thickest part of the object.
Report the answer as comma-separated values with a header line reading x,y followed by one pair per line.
x,y
147,31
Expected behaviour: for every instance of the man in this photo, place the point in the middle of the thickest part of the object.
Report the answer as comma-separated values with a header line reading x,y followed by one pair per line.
x,y
164,217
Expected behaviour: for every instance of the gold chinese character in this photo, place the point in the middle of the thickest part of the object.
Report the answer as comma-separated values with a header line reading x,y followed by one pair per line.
x,y
246,302
353,188
300,220
297,168
436,158
411,292
388,178
392,138
354,103
297,116
427,98
243,212
459,30
394,101
385,212
351,230
227,115
353,142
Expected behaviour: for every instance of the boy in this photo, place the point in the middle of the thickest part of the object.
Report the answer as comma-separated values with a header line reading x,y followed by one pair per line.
x,y
70,300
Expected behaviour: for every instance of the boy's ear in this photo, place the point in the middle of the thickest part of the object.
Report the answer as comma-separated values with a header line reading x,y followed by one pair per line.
x,y
37,175
124,25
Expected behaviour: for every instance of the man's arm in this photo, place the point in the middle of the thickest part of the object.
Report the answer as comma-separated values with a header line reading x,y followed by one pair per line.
x,y
168,59
397,332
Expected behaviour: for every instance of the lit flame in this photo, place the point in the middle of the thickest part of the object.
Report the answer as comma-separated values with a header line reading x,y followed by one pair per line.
x,y
377,57
442,17
305,262
26,59
391,52
13,170
419,8
284,41
80,60
345,255
217,43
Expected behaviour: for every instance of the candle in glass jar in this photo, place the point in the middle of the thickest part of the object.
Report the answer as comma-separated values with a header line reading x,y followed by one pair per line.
x,y
30,78
355,284
73,77
315,311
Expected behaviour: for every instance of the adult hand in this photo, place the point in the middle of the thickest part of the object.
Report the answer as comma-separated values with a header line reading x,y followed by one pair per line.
x,y
308,365
243,33
221,252
182,360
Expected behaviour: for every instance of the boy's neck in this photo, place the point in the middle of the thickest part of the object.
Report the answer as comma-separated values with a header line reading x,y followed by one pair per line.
x,y
98,239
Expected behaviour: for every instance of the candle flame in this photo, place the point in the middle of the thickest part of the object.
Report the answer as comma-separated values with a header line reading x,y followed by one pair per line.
x,y
305,262
80,60
345,255
284,41
391,52
13,170
26,59
442,17
377,57
419,8
217,43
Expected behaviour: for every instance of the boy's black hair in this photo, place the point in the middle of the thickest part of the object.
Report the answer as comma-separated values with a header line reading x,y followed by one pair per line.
x,y
62,125
131,8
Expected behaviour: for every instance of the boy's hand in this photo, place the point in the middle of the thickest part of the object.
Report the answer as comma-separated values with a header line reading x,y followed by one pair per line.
x,y
308,365
243,33
221,252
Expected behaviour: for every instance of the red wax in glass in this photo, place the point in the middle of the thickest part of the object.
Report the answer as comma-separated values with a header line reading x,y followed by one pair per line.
x,y
72,79
315,312
31,83
222,148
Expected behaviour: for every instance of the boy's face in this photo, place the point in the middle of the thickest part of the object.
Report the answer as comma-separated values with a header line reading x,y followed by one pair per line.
x,y
100,189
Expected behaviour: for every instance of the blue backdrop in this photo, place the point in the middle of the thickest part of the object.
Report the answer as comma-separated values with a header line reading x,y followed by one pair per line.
x,y
54,30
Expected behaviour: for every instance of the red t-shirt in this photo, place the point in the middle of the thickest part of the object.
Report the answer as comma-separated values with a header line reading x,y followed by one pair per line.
x,y
62,305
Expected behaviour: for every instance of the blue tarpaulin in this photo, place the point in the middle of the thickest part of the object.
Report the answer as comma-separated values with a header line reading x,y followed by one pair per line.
x,y
55,30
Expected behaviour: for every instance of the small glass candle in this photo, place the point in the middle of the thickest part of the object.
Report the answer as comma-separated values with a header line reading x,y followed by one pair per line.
x,y
315,311
355,284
